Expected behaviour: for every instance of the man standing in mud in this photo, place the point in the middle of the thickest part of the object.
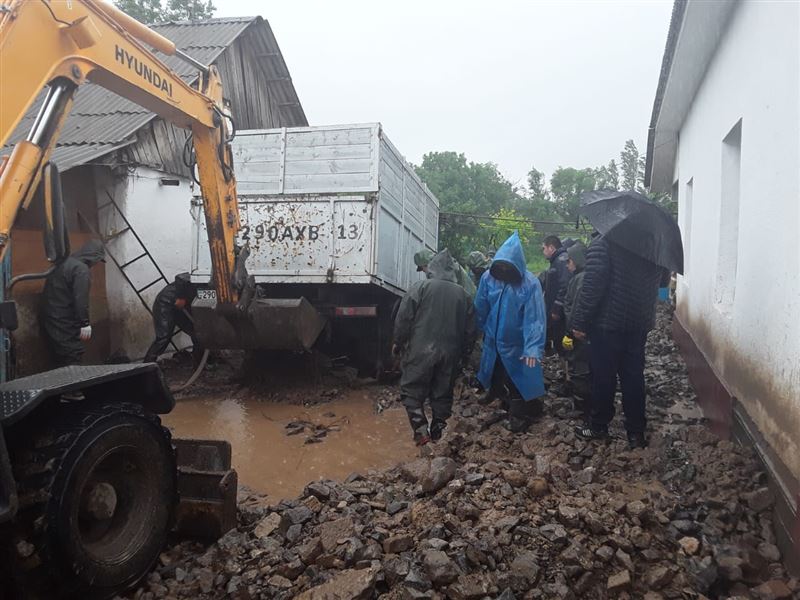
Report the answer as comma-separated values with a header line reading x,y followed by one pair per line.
x,y
509,309
435,331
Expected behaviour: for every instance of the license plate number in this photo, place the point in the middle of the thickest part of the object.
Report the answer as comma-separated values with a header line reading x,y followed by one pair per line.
x,y
206,294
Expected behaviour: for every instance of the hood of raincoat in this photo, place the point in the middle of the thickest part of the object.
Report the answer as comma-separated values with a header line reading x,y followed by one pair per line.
x,y
511,252
91,253
442,266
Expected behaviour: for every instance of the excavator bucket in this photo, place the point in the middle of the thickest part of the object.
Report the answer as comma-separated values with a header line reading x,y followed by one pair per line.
x,y
268,324
207,488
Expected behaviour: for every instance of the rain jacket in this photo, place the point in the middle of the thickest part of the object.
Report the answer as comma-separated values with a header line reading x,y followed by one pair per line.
x,y
166,316
555,280
513,322
435,320
65,301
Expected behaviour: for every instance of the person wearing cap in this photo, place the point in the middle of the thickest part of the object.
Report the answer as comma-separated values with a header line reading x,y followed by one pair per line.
x,y
170,308
65,303
578,372
477,264
423,258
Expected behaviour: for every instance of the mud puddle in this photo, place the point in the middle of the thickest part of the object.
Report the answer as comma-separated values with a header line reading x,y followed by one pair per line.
x,y
280,465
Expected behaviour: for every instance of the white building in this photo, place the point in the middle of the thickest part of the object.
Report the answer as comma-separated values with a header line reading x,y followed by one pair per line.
x,y
725,139
112,148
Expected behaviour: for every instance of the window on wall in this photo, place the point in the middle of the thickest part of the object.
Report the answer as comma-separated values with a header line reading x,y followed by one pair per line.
x,y
686,233
728,255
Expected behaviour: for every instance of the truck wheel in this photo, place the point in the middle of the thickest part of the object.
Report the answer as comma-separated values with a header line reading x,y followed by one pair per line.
x,y
98,488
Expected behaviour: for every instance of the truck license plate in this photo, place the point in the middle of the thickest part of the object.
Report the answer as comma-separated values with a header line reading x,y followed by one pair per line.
x,y
206,294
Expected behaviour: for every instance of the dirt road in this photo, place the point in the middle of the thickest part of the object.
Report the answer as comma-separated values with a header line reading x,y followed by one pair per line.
x,y
499,515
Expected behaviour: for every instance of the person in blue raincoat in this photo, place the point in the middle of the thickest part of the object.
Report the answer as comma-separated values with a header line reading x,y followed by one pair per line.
x,y
509,309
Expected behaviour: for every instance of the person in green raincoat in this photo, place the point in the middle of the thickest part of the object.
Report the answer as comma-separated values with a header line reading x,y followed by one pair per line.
x,y
435,330
477,263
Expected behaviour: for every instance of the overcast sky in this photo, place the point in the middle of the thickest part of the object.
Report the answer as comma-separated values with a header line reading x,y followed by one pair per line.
x,y
518,83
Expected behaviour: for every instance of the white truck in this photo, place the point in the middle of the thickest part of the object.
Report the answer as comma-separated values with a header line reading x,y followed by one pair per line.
x,y
332,216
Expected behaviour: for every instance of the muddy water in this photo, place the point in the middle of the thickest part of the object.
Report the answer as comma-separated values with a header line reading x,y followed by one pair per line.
x,y
280,466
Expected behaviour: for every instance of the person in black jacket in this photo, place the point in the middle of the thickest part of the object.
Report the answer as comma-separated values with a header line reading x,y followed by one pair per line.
x,y
555,283
168,311
65,303
616,308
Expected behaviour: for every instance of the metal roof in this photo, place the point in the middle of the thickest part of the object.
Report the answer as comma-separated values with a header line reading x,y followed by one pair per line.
x,y
101,122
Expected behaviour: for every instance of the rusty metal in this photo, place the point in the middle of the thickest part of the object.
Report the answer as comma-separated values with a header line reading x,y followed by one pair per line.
x,y
268,324
207,487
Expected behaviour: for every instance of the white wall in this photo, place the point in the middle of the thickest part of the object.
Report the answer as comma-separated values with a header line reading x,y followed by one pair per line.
x,y
160,216
752,340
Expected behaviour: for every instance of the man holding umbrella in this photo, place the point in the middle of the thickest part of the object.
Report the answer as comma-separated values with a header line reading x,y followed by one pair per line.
x,y
639,244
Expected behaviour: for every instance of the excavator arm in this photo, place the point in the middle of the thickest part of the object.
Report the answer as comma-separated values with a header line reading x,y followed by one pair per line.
x,y
63,44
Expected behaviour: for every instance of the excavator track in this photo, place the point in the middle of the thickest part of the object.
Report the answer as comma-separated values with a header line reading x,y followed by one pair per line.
x,y
97,489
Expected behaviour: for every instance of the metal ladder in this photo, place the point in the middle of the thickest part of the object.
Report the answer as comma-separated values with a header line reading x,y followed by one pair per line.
x,y
145,254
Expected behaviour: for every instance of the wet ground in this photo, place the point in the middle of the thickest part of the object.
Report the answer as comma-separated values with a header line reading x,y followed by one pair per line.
x,y
279,465
491,514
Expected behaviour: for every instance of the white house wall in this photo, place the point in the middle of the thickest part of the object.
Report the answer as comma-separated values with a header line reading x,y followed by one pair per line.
x,y
751,337
160,216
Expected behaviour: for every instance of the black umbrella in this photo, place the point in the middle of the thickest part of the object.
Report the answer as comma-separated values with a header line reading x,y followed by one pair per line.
x,y
634,222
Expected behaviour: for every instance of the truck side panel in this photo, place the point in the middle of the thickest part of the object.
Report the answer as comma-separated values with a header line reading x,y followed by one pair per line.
x,y
332,204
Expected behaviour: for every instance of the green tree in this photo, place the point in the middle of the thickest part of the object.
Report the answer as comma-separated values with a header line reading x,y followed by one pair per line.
x,y
193,10
607,176
467,188
144,11
566,186
153,11
537,184
505,222
630,166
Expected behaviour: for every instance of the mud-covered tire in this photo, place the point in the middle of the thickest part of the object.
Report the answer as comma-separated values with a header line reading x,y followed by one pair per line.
x,y
98,489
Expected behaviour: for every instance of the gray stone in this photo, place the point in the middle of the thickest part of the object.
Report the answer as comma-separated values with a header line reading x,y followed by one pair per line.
x,y
297,516
772,590
524,571
619,581
267,525
439,568
294,533
689,545
415,470
398,543
554,533
604,553
760,500
470,587
319,490
332,532
310,550
769,552
514,477
568,515
658,577
538,487
395,569
351,584
395,507
624,559
636,509
442,470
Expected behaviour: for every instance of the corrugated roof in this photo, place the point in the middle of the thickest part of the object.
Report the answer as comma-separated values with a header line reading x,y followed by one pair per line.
x,y
101,122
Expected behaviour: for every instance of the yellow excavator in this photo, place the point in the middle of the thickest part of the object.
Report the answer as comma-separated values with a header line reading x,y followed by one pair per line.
x,y
89,489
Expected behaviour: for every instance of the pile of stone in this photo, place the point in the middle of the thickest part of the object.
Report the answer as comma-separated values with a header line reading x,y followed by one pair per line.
x,y
499,515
